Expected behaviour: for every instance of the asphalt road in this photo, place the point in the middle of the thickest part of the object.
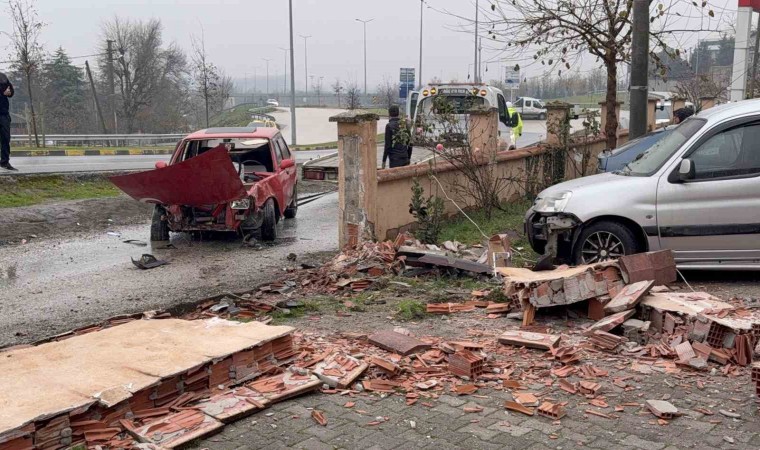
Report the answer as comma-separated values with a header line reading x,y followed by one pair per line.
x,y
50,286
62,164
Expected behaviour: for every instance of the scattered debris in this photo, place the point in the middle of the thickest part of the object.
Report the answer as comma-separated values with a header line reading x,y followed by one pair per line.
x,y
397,343
662,409
319,417
529,339
148,261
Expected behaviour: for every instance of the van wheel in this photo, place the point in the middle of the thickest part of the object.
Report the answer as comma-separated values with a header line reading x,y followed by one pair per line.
x,y
542,116
159,228
603,241
269,227
292,210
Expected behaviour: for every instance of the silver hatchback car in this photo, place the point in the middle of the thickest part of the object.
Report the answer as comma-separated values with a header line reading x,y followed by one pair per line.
x,y
696,192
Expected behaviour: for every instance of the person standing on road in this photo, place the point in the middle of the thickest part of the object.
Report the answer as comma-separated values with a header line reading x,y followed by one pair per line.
x,y
6,89
682,114
400,154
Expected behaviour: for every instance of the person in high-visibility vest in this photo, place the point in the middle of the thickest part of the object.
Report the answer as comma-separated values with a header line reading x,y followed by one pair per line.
x,y
516,122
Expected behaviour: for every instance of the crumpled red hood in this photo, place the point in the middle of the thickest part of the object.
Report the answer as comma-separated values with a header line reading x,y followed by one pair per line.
x,y
207,179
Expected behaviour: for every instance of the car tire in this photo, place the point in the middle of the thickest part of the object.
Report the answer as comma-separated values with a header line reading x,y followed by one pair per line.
x,y
610,240
542,116
269,227
292,210
159,228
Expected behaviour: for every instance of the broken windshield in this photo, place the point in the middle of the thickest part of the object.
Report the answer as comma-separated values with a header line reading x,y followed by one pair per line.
x,y
653,158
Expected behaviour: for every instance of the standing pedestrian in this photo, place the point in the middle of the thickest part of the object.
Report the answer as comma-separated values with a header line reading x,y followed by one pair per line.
x,y
6,89
400,154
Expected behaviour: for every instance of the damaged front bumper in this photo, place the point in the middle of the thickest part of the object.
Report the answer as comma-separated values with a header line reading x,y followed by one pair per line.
x,y
552,233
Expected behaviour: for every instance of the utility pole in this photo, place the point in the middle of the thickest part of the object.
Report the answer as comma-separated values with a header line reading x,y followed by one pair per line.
x,y
292,82
475,64
95,97
365,22
267,60
639,69
285,82
111,84
419,73
751,88
480,60
305,64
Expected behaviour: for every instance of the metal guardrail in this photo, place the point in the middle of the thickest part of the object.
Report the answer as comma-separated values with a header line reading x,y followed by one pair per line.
x,y
103,140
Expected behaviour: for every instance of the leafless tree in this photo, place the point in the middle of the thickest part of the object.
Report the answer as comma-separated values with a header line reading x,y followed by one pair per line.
x,y
143,65
353,96
317,88
338,88
211,83
387,93
558,33
24,36
699,86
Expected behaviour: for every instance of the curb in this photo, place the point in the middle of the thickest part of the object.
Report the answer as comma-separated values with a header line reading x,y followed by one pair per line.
x,y
319,147
91,152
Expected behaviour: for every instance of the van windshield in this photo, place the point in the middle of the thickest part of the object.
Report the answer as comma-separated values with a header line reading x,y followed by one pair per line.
x,y
461,104
658,154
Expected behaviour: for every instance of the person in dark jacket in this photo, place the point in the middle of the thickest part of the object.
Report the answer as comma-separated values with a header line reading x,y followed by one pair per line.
x,y
682,114
6,92
399,154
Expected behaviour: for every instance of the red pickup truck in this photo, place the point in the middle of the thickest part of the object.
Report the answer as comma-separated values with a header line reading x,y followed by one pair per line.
x,y
220,179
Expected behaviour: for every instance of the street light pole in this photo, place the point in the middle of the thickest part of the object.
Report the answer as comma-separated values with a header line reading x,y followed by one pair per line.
x,y
419,73
305,64
475,64
285,82
267,60
365,22
292,82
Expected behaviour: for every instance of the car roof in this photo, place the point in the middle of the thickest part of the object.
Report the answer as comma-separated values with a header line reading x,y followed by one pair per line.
x,y
730,110
234,132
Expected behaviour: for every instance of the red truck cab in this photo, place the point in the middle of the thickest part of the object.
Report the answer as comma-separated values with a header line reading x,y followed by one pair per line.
x,y
220,179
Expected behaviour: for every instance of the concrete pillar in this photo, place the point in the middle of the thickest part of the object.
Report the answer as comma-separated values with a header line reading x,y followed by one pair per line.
x,y
651,114
706,103
603,117
483,131
357,176
557,123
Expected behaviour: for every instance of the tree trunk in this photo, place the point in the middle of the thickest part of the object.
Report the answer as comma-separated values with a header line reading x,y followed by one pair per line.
x,y
31,109
611,126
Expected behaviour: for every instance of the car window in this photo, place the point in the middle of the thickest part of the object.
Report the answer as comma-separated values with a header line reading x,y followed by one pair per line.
x,y
277,152
640,144
284,147
519,103
658,154
528,103
503,116
538,105
732,152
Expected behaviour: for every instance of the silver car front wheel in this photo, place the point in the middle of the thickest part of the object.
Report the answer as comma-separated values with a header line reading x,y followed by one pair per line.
x,y
601,246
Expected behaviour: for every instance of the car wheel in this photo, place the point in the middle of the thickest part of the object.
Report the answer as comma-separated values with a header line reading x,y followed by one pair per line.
x,y
269,227
292,210
159,228
603,241
542,116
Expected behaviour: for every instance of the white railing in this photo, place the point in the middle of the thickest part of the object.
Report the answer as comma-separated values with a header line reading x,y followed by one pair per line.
x,y
101,140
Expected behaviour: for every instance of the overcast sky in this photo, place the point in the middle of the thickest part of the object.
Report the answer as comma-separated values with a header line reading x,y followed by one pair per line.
x,y
239,34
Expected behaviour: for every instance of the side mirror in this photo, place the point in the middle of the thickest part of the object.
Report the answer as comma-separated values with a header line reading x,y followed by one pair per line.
x,y
287,163
686,171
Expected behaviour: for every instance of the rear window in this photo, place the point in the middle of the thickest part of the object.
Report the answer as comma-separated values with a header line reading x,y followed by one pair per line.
x,y
461,104
256,151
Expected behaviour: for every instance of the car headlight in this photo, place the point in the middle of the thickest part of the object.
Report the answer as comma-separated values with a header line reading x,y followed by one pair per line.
x,y
553,203
241,204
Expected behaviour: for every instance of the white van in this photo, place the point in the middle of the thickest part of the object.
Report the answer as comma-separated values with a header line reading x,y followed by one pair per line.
x,y
530,108
464,96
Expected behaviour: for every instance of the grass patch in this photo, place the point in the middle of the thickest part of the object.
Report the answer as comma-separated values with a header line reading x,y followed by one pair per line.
x,y
238,116
332,144
508,220
25,191
410,310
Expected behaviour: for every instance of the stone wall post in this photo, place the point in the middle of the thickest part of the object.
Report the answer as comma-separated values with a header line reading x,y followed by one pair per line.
x,y
603,117
557,123
357,176
483,131
651,114
706,102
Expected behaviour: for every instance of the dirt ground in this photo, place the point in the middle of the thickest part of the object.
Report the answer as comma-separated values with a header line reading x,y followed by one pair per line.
x,y
70,218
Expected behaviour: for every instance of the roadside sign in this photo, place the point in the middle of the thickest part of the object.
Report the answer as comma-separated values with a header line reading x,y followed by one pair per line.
x,y
406,81
511,78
